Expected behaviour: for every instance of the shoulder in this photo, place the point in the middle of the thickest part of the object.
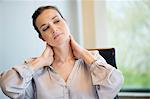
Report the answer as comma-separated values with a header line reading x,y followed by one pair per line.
x,y
94,53
98,56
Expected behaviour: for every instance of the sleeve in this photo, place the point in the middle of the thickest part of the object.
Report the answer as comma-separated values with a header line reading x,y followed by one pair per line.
x,y
107,79
17,82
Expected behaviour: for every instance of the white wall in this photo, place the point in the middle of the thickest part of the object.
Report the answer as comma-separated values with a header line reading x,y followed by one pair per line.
x,y
101,24
18,39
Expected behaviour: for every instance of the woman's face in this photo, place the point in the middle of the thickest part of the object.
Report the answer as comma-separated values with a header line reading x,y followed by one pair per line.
x,y
52,27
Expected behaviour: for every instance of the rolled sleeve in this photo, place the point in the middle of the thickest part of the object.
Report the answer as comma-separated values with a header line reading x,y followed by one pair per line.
x,y
100,72
24,71
106,76
16,82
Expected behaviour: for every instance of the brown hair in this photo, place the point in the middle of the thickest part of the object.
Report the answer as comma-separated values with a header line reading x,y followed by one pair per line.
x,y
38,12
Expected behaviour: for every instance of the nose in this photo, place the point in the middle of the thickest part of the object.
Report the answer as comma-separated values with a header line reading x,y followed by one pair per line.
x,y
53,28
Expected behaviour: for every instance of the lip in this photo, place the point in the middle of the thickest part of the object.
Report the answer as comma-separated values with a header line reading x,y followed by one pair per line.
x,y
57,35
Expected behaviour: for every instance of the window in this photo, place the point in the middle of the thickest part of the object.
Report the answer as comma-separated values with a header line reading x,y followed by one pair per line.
x,y
129,33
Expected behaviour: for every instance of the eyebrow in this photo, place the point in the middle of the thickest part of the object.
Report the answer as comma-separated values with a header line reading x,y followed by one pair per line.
x,y
51,19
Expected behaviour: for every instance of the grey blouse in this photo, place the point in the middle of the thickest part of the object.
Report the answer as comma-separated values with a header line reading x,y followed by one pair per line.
x,y
96,81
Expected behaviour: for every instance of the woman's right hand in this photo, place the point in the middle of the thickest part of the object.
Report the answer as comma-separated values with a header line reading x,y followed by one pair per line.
x,y
45,59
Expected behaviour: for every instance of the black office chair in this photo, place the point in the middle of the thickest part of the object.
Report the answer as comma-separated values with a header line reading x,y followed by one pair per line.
x,y
109,55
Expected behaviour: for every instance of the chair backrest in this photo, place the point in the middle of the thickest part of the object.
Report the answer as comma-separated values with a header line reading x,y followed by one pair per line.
x,y
109,55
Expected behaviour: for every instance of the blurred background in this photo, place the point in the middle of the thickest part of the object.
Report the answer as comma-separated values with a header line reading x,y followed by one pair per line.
x,y
121,24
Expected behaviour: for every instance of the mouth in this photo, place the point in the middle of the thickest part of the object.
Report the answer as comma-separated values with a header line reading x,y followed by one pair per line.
x,y
57,35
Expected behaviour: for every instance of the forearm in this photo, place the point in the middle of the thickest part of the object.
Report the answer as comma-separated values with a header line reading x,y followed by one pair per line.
x,y
14,82
110,84
35,63
106,76
87,57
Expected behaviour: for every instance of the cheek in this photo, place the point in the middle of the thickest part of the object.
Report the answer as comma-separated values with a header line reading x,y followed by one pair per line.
x,y
46,37
67,30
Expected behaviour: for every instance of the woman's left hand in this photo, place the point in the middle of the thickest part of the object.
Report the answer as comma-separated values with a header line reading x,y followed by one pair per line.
x,y
80,52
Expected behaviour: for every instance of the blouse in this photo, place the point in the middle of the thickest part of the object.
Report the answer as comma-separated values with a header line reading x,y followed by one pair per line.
x,y
98,80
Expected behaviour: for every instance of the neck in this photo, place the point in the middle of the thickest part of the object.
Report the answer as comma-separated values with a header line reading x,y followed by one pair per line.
x,y
63,53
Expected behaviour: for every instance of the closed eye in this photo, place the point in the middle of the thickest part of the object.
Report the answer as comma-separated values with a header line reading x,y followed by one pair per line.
x,y
45,28
57,21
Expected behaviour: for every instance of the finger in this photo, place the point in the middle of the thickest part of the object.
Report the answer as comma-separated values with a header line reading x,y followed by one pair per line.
x,y
72,38
48,50
48,46
74,43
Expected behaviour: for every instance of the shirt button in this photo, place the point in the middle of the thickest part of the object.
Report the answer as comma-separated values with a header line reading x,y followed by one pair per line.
x,y
98,87
65,87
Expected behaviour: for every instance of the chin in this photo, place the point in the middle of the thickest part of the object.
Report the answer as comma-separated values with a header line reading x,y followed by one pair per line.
x,y
62,42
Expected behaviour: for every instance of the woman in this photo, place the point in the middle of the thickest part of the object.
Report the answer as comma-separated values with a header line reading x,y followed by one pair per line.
x,y
64,70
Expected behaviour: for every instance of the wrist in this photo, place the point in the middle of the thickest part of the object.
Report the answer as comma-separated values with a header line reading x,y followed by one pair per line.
x,y
35,64
88,57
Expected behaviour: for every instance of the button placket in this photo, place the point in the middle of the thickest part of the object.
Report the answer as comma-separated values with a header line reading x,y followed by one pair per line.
x,y
67,92
98,87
